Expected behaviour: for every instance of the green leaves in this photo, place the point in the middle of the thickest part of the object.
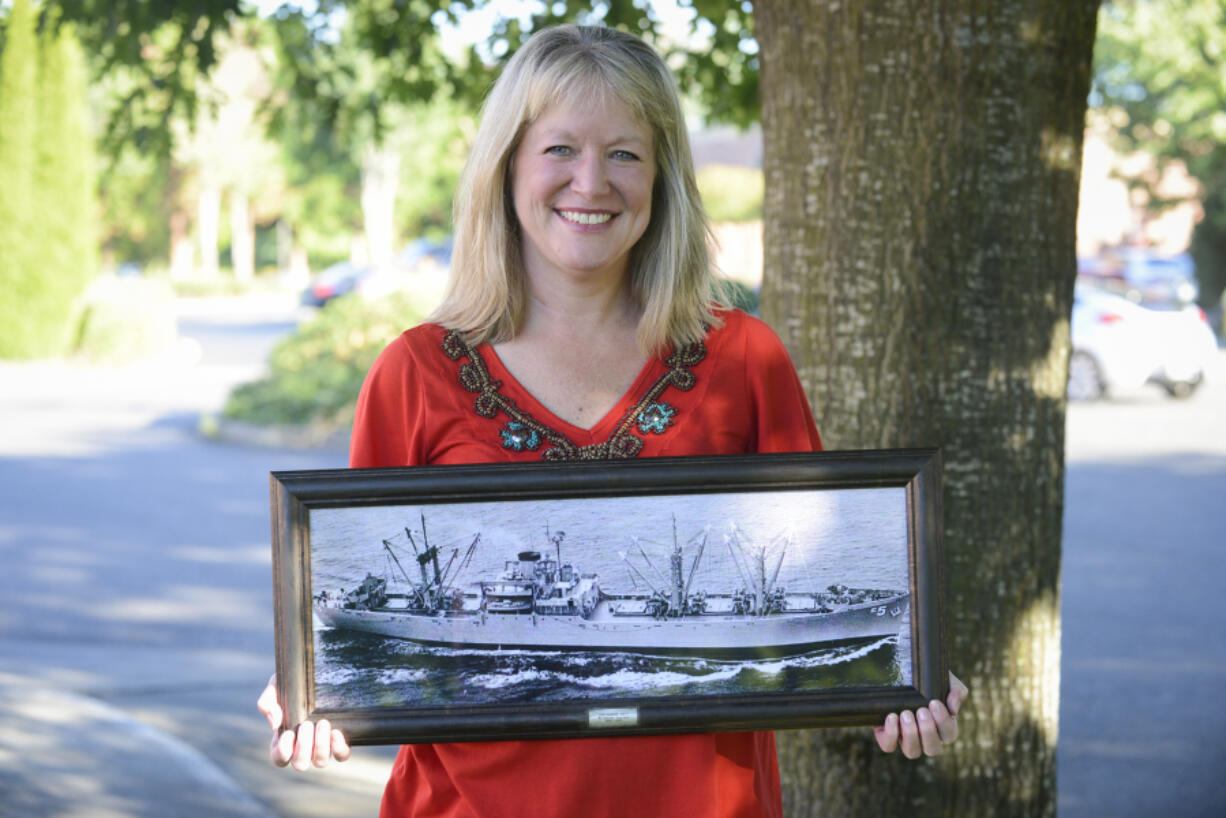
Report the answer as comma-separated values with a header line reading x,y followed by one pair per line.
x,y
1160,65
48,234
316,373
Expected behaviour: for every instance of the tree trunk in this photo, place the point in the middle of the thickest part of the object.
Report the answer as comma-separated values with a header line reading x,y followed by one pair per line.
x,y
181,255
380,181
922,162
242,237
208,218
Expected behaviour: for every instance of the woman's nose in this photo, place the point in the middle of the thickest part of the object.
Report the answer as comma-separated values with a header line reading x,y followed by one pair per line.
x,y
590,177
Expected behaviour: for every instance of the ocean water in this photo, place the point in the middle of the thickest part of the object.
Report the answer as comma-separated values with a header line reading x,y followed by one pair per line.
x,y
358,670
812,539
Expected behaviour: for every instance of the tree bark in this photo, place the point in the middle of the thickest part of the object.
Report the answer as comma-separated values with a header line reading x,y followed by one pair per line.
x,y
380,182
208,219
242,236
922,161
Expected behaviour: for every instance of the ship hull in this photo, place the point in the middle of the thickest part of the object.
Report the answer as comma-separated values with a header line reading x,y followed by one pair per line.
x,y
718,635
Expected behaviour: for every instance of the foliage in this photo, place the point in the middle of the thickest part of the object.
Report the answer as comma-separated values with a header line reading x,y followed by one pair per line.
x,y
431,161
316,373
160,49
163,49
48,249
124,320
18,120
205,286
1163,64
731,193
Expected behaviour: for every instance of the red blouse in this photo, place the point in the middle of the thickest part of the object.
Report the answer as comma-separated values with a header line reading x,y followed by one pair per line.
x,y
429,399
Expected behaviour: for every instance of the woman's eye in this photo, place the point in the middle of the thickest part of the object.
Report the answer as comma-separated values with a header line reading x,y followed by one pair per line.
x,y
558,150
625,156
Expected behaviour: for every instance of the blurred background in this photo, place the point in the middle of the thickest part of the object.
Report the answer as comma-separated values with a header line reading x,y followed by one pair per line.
x,y
214,215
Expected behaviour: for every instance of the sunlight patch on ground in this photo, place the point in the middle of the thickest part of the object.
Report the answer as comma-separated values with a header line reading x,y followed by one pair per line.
x,y
187,604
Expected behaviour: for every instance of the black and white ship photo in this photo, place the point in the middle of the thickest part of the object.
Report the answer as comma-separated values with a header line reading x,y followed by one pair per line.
x,y
610,598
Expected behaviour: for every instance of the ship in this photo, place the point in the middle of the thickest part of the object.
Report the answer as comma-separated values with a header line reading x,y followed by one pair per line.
x,y
540,602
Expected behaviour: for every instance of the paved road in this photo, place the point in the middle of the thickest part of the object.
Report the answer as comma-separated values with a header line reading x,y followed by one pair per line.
x,y
137,590
1143,722
136,596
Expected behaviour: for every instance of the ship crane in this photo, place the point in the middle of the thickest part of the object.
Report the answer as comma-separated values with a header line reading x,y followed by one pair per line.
x,y
449,576
396,560
634,570
733,539
685,596
430,591
647,560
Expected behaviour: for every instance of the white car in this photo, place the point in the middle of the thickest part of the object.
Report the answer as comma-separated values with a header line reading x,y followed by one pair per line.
x,y
1119,345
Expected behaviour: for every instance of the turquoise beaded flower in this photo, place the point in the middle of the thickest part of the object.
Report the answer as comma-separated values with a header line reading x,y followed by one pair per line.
x,y
656,418
517,437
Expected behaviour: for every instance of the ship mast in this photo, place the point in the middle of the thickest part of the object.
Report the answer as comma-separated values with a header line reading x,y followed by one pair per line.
x,y
431,550
678,581
694,567
421,559
556,539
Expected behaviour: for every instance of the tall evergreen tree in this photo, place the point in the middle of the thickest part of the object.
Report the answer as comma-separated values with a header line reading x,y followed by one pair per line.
x,y
48,223
18,118
65,190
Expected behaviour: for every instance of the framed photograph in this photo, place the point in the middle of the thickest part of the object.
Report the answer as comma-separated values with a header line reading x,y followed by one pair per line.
x,y
698,594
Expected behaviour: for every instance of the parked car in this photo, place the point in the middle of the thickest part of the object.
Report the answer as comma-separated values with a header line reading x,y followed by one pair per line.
x,y
1142,275
422,250
344,277
339,279
1119,345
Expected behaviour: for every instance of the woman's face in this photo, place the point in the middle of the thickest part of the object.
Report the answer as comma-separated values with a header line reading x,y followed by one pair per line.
x,y
581,182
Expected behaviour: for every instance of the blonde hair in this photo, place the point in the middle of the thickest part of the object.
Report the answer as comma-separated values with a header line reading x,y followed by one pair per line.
x,y
671,277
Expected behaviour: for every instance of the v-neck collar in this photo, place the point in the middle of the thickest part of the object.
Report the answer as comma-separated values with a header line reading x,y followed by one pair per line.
x,y
612,437
533,406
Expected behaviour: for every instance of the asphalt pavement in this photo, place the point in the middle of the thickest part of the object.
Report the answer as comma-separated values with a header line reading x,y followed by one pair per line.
x,y
135,602
136,598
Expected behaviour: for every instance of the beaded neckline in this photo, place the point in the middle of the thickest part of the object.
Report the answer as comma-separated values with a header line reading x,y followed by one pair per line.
x,y
649,415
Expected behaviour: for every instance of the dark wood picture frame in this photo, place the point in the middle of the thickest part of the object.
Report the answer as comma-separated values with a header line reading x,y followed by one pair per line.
x,y
297,495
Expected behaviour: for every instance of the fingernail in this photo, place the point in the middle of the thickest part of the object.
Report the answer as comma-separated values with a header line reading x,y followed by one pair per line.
x,y
924,715
907,717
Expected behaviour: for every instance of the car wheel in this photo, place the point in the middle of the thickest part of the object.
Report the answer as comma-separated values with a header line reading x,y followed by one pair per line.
x,y
1183,389
1085,380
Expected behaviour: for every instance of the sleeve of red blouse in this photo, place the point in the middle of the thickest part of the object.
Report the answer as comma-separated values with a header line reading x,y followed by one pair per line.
x,y
387,425
783,419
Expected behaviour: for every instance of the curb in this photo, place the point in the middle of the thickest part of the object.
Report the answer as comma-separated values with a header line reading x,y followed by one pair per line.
x,y
273,436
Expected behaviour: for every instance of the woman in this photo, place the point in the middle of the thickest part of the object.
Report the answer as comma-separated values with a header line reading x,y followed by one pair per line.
x,y
579,324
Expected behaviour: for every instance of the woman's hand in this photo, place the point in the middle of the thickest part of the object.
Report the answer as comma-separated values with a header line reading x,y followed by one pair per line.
x,y
309,744
928,729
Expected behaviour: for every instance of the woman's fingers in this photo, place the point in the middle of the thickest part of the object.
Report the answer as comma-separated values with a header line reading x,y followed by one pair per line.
x,y
323,743
340,747
282,748
268,704
927,730
957,694
947,724
930,737
908,738
304,746
309,744
887,734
